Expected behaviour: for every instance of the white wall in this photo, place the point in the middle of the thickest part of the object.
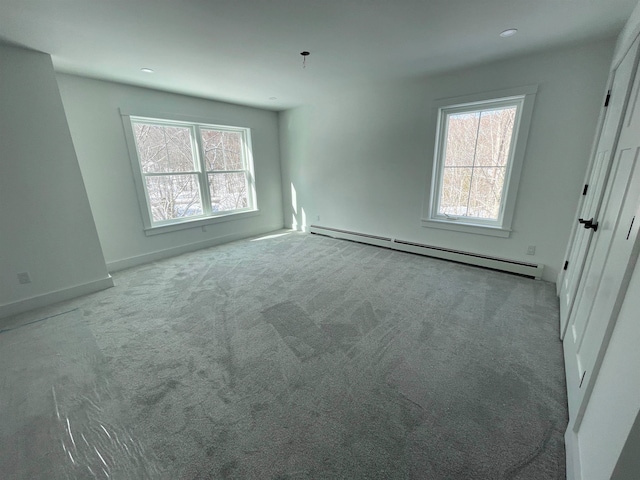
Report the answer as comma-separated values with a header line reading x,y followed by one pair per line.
x,y
628,464
614,404
361,160
92,108
627,36
46,228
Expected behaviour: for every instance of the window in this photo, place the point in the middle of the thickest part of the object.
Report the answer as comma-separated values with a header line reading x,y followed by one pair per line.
x,y
478,157
190,172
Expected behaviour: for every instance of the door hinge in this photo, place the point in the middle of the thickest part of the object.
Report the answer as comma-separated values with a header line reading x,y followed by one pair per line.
x,y
566,264
584,190
606,101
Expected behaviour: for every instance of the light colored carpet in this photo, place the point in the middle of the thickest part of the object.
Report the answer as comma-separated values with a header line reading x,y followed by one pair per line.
x,y
290,357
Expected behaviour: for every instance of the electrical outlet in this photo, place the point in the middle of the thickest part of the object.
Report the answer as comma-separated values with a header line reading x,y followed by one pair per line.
x,y
531,250
24,278
204,228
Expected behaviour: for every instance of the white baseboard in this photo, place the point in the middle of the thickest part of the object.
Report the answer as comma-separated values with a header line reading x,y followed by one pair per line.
x,y
572,449
125,263
50,298
495,263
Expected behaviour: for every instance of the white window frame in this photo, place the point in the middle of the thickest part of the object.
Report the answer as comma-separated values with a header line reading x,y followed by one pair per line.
x,y
523,98
208,216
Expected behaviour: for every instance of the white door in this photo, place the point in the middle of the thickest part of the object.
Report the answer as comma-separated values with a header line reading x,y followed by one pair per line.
x,y
608,266
623,79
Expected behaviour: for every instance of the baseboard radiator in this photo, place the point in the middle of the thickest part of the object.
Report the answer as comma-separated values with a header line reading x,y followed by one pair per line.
x,y
526,269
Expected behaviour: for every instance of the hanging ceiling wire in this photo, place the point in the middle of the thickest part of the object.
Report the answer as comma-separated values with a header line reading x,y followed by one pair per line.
x,y
304,54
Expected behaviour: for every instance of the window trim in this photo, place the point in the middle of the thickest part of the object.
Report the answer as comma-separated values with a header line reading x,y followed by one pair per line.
x,y
194,124
524,97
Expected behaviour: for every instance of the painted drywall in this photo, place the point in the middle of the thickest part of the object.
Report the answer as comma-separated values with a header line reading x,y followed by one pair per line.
x,y
628,464
47,226
93,112
627,36
362,160
615,401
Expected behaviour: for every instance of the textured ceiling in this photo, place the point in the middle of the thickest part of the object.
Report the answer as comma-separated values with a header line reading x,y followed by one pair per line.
x,y
247,51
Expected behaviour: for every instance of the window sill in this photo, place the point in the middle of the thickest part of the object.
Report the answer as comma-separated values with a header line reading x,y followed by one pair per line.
x,y
200,222
456,226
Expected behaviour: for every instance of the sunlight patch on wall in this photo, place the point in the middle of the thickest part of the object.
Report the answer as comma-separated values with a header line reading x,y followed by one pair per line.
x,y
294,199
294,207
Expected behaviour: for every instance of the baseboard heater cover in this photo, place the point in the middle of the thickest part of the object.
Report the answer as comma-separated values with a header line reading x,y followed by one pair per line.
x,y
354,236
526,269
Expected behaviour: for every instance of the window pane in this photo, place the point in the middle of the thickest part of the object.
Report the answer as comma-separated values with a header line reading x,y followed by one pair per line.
x,y
222,149
476,155
456,183
173,196
494,136
164,149
228,191
462,130
486,192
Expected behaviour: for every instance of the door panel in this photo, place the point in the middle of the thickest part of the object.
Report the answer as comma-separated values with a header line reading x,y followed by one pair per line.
x,y
609,262
582,237
623,79
613,253
620,175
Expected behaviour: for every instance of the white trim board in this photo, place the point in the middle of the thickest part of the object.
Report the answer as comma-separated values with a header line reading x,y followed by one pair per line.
x,y
129,262
56,296
572,449
531,270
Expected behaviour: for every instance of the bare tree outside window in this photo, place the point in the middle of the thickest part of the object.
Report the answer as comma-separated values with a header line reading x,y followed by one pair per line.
x,y
476,154
225,168
166,155
178,183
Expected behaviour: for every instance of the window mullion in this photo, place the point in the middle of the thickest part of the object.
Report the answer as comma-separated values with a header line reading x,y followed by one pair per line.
x,y
202,174
177,172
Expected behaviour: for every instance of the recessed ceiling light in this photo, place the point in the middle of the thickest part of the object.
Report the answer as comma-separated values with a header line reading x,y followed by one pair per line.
x,y
273,98
509,32
146,70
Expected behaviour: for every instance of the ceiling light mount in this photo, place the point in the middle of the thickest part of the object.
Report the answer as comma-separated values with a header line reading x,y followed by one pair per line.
x,y
509,32
146,70
304,54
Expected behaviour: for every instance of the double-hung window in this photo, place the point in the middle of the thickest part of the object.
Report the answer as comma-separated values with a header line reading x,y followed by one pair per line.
x,y
479,151
190,174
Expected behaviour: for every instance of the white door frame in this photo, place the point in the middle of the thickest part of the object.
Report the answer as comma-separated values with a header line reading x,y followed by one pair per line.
x,y
607,133
605,278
